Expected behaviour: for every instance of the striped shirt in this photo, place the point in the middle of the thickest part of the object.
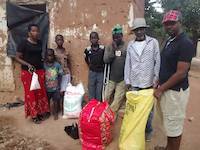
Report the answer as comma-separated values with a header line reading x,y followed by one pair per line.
x,y
142,71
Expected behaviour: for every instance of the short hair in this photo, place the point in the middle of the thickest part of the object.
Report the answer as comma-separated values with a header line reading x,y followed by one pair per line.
x,y
32,25
93,32
60,36
47,50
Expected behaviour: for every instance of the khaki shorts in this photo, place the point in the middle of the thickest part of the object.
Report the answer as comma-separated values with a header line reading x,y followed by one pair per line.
x,y
173,107
118,89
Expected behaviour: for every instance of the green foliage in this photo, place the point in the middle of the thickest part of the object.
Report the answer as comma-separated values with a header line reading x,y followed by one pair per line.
x,y
153,19
190,10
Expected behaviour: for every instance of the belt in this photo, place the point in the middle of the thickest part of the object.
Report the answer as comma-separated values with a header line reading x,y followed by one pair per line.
x,y
138,88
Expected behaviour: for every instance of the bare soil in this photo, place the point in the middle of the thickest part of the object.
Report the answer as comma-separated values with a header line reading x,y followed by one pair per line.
x,y
19,133
13,139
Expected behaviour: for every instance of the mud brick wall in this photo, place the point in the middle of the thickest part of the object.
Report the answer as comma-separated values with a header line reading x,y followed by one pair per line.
x,y
74,19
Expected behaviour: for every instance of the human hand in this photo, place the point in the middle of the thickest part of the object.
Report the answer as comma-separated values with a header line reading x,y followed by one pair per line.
x,y
158,93
128,87
155,85
62,93
114,45
31,68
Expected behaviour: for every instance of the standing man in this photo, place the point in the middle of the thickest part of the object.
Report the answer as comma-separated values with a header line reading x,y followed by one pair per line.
x,y
114,56
173,89
142,64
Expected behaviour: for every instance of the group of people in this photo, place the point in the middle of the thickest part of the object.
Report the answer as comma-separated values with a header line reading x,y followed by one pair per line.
x,y
140,65
134,66
53,75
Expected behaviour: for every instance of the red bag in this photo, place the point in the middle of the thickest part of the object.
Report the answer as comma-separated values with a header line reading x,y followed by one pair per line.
x,y
95,123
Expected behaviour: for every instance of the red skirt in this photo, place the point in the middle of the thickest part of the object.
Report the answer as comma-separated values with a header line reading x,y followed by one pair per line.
x,y
35,102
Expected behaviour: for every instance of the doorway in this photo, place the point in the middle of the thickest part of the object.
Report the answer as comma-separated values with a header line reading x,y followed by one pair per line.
x,y
18,19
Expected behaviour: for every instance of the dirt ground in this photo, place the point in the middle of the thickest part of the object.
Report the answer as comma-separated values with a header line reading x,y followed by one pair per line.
x,y
19,133
13,139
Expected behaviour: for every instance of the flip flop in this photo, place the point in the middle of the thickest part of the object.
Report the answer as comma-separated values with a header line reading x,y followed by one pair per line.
x,y
36,120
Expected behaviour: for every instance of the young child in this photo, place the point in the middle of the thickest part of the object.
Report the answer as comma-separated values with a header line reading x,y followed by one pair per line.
x,y
94,59
53,76
62,57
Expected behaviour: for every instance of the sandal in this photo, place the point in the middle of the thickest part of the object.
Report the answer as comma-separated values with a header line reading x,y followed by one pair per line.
x,y
41,117
36,120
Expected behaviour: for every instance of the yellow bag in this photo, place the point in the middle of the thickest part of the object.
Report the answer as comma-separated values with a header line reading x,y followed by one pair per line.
x,y
138,107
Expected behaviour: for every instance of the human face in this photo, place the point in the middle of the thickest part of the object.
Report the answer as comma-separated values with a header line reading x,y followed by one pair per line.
x,y
140,33
34,33
50,56
59,41
172,28
94,38
117,38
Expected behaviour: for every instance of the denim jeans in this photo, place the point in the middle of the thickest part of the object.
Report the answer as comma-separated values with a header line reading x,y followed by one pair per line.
x,y
149,127
95,85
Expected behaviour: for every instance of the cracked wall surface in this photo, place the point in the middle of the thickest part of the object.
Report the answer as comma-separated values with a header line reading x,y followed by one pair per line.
x,y
6,67
74,19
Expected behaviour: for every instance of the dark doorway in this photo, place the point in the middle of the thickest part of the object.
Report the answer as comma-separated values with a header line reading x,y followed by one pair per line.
x,y
18,19
40,7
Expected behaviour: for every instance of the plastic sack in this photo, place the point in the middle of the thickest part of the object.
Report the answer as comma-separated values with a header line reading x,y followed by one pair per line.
x,y
35,85
66,79
72,100
138,107
95,125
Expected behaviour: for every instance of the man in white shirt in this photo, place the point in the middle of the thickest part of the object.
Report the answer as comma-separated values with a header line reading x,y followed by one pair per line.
x,y
142,64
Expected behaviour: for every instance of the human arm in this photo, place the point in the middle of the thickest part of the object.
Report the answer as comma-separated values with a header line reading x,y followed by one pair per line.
x,y
156,64
109,55
86,56
60,74
19,57
127,70
181,72
184,60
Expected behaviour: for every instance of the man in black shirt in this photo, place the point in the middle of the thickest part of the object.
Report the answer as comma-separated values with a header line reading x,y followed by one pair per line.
x,y
173,90
94,59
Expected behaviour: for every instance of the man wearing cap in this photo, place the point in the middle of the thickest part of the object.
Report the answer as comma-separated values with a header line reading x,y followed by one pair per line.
x,y
115,55
142,64
173,90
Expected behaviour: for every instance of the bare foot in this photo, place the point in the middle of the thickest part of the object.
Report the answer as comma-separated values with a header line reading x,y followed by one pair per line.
x,y
56,117
159,148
